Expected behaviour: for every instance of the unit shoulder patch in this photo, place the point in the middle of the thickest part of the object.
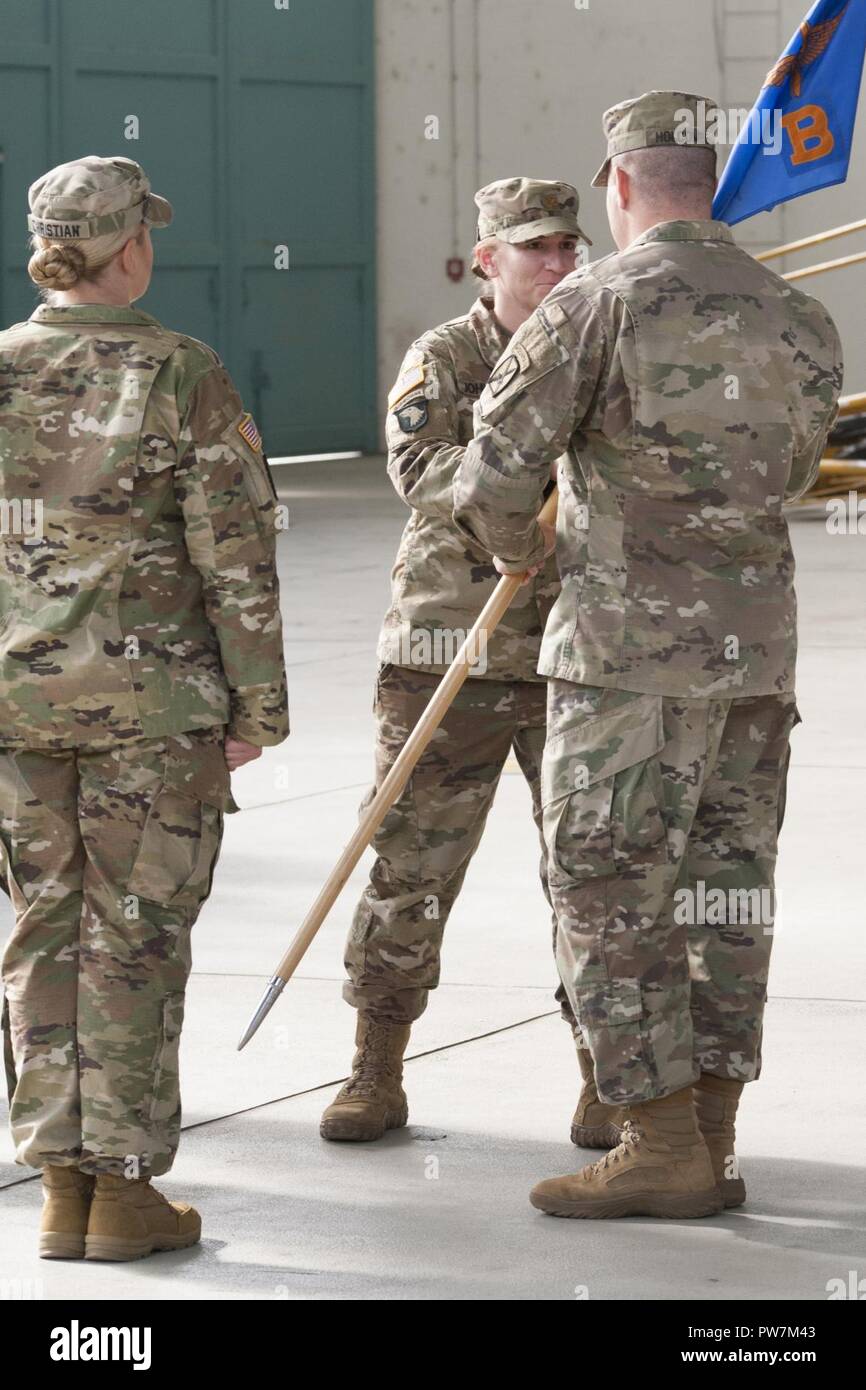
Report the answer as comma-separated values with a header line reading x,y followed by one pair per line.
x,y
504,374
412,415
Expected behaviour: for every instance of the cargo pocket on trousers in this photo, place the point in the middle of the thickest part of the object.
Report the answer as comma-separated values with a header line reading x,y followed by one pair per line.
x,y
783,780
183,831
8,882
165,1096
8,1052
611,1012
602,792
382,674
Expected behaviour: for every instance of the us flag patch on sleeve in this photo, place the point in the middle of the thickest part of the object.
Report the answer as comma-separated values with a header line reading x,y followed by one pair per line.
x,y
247,429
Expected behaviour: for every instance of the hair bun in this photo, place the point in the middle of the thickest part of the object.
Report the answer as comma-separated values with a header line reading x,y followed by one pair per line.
x,y
57,267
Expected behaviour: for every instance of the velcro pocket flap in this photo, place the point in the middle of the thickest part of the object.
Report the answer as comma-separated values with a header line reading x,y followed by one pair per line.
x,y
257,473
531,355
198,769
601,745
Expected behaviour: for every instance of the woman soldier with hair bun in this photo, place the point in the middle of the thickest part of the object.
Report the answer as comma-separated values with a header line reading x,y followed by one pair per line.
x,y
141,662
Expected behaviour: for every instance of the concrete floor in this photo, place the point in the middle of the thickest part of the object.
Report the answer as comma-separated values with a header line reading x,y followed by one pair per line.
x,y
440,1210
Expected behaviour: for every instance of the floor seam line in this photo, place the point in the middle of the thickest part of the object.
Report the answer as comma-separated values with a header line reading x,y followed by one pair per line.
x,y
414,1057
307,796
470,984
326,1085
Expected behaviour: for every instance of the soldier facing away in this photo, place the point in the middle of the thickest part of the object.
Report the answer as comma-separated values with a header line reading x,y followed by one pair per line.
x,y
526,242
693,389
140,661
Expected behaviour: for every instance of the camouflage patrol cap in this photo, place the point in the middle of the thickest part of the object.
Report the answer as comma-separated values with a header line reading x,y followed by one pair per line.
x,y
94,196
656,118
516,210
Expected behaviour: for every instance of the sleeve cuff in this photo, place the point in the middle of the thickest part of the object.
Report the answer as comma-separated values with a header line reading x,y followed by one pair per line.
x,y
259,715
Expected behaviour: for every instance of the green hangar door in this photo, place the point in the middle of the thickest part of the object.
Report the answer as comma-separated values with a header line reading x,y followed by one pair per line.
x,y
256,119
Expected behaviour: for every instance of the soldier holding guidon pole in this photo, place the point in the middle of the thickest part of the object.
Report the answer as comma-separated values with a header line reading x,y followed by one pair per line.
x,y
527,239
693,390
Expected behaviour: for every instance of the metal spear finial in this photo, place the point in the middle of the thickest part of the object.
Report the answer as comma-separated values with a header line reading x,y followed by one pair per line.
x,y
276,985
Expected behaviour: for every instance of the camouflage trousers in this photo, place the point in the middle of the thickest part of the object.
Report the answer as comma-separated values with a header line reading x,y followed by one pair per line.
x,y
426,841
108,857
661,817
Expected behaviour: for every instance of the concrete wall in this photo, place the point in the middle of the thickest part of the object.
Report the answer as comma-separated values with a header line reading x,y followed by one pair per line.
x,y
518,87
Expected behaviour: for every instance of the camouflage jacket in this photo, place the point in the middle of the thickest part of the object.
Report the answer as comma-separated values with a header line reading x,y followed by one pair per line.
x,y
138,585
692,389
442,579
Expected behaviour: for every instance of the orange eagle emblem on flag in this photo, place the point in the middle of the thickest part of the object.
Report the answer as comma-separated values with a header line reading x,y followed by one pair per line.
x,y
815,40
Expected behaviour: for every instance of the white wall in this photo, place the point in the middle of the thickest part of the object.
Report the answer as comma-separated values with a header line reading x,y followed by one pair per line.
x,y
524,95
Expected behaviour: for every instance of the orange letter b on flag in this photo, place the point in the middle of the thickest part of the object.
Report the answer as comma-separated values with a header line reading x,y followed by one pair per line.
x,y
809,133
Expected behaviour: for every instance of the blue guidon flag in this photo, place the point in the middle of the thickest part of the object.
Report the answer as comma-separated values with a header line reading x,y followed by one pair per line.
x,y
808,103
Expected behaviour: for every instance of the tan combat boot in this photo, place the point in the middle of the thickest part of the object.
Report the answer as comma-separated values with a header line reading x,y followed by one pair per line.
x,y
130,1219
67,1194
595,1124
662,1167
716,1101
373,1099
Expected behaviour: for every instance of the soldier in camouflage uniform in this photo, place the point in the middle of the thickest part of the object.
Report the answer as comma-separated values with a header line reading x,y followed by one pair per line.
x,y
140,659
527,239
692,389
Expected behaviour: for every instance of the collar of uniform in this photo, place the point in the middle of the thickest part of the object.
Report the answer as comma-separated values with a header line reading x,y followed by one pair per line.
x,y
706,230
492,337
90,313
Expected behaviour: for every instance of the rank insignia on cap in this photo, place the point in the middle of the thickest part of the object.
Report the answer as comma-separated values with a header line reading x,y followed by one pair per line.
x,y
247,430
413,415
505,373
